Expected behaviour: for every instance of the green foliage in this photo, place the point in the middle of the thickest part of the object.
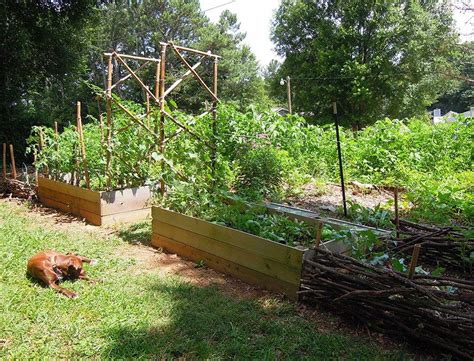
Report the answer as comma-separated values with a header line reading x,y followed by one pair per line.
x,y
375,59
377,217
262,171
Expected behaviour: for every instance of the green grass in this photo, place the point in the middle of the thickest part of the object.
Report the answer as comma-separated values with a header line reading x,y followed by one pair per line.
x,y
140,314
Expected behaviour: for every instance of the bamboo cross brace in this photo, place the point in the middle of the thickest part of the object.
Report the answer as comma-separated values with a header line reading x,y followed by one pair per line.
x,y
196,75
128,76
137,78
175,134
134,57
183,77
135,118
184,127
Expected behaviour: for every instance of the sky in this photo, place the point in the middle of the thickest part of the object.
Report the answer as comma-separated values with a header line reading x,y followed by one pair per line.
x,y
255,18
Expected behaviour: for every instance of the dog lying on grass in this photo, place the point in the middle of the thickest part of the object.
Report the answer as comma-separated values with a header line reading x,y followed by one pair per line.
x,y
51,267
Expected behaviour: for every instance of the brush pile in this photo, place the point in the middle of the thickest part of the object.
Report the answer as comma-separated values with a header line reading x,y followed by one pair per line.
x,y
435,310
450,247
17,189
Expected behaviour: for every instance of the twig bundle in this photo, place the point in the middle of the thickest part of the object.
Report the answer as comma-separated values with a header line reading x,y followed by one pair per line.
x,y
16,188
447,246
435,310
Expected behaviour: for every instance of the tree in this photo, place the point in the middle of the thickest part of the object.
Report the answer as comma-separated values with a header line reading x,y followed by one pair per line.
x,y
461,97
374,58
43,47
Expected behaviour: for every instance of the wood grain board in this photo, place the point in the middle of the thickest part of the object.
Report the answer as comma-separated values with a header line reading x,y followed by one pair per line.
x,y
96,207
253,259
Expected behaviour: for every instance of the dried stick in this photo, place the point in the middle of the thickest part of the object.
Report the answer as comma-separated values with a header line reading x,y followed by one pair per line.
x,y
162,115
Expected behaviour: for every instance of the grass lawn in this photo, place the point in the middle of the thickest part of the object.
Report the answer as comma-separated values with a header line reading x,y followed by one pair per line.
x,y
142,314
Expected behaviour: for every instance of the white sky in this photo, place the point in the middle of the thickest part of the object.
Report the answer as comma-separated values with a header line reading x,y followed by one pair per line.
x,y
255,18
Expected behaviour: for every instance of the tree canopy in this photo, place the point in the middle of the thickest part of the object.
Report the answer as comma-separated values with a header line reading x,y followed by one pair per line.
x,y
374,58
53,50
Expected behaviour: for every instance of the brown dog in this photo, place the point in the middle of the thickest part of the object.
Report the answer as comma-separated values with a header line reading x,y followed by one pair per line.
x,y
52,267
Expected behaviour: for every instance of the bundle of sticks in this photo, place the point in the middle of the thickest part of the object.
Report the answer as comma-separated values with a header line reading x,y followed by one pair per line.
x,y
16,188
448,246
434,310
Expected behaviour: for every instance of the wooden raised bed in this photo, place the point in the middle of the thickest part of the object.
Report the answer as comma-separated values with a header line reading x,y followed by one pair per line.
x,y
98,208
253,259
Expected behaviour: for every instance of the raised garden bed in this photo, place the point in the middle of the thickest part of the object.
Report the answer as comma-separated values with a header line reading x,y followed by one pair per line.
x,y
254,259
97,207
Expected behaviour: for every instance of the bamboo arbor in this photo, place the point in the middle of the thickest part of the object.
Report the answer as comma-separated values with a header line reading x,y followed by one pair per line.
x,y
156,100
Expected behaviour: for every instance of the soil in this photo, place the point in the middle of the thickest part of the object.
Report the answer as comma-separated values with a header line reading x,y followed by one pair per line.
x,y
327,200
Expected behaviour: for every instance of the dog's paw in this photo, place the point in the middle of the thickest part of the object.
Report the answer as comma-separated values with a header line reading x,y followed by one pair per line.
x,y
94,262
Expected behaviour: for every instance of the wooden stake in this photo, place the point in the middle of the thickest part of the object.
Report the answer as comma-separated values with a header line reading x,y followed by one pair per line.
x,y
397,217
319,232
36,169
101,121
41,144
12,157
83,146
148,110
214,124
162,115
4,169
108,162
56,139
414,260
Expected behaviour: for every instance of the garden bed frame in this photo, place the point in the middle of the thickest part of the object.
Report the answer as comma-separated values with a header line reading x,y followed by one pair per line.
x,y
97,207
253,259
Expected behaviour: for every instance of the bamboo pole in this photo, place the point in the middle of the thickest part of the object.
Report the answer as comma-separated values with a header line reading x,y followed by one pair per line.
x,y
82,144
414,260
126,56
56,139
214,123
12,157
148,109
128,76
4,169
288,91
137,78
36,169
110,69
192,50
196,75
162,115
183,77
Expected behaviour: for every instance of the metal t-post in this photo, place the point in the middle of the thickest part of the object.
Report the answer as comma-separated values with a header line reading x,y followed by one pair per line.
x,y
339,154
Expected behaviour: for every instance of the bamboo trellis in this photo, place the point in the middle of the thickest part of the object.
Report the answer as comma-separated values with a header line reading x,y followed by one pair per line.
x,y
156,100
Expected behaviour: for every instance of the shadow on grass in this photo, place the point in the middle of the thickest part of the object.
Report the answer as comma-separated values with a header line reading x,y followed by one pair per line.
x,y
202,323
137,233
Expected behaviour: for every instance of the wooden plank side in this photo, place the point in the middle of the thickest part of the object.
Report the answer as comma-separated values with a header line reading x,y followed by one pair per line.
x,y
65,188
271,250
225,266
73,202
90,217
127,216
237,255
125,200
